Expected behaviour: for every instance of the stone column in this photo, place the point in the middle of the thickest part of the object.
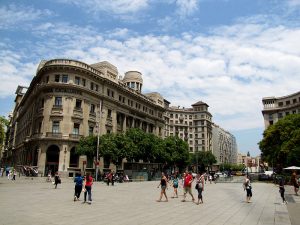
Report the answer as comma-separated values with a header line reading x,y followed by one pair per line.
x,y
124,123
42,160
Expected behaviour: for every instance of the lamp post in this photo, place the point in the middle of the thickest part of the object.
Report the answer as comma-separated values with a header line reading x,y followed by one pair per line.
x,y
98,140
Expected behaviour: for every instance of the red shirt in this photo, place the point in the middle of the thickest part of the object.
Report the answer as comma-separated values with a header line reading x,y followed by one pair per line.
x,y
187,180
89,182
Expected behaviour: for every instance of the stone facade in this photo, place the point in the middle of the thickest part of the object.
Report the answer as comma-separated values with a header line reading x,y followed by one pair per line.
x,y
224,145
276,108
63,103
192,125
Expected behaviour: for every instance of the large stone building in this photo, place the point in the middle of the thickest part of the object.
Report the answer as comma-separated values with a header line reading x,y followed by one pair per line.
x,y
224,145
276,108
192,125
63,103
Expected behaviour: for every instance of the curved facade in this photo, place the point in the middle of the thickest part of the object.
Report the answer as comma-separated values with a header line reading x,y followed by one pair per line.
x,y
276,108
63,103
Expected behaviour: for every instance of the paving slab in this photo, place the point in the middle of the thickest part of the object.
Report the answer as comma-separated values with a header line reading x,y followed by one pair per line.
x,y
34,201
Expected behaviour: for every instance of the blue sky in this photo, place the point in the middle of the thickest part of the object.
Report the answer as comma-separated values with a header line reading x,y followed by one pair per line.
x,y
227,53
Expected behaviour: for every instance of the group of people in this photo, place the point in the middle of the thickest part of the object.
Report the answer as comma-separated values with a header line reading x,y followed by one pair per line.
x,y
186,182
83,184
10,173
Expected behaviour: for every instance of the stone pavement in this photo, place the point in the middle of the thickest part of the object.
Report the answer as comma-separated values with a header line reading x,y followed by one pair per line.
x,y
27,201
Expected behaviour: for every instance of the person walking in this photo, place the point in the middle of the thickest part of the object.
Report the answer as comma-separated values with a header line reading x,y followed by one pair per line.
x,y
78,186
109,178
187,186
199,187
88,188
294,181
164,185
175,186
57,180
248,188
282,190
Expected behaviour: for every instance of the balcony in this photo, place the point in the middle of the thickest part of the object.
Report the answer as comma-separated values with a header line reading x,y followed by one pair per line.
x,y
92,116
57,109
37,135
109,121
54,135
75,136
77,112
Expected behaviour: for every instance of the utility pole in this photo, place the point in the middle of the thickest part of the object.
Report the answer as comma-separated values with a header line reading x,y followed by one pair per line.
x,y
98,140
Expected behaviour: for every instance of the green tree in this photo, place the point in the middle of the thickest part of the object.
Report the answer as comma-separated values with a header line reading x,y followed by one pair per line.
x,y
280,145
204,159
87,146
3,123
176,152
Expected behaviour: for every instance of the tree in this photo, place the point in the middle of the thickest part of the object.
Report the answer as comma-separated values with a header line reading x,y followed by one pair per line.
x,y
3,123
280,145
203,159
87,146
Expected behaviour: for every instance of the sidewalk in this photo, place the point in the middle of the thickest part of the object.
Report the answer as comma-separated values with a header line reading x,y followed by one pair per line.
x,y
293,205
34,201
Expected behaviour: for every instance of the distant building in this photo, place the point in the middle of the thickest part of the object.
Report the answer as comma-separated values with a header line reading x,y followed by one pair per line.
x,y
276,108
224,145
252,164
193,125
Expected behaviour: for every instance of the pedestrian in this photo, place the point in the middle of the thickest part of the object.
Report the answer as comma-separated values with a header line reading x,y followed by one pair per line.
x,y
294,181
57,180
248,188
282,190
78,186
164,185
175,186
1,172
14,172
88,188
210,178
109,178
200,187
187,186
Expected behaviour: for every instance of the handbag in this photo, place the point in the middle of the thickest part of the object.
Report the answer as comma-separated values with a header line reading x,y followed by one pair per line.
x,y
197,186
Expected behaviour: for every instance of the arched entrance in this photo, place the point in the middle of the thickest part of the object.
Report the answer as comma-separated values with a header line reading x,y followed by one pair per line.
x,y
52,159
74,158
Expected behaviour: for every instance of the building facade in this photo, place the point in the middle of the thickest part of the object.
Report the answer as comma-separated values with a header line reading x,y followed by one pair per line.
x,y
68,99
276,108
193,125
224,145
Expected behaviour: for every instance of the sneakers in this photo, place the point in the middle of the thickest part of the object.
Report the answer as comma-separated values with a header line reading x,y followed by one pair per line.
x,y
75,198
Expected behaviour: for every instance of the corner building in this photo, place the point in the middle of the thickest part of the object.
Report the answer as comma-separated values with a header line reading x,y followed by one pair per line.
x,y
276,108
63,103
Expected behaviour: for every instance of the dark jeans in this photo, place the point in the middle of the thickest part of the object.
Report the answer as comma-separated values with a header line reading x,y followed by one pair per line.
x,y
78,189
200,193
89,192
112,182
281,190
249,192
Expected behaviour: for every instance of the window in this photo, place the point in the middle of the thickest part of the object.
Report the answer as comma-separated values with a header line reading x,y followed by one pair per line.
x,y
47,79
171,115
279,115
83,82
294,100
55,127
96,86
109,113
92,109
287,113
91,130
76,128
280,103
56,78
78,104
77,80
64,78
176,116
92,86
58,101
287,102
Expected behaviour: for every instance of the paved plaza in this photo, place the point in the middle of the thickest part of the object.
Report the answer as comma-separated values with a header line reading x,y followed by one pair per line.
x,y
27,201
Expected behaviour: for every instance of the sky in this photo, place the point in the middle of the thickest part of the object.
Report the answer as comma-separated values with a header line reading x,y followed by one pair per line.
x,y
227,53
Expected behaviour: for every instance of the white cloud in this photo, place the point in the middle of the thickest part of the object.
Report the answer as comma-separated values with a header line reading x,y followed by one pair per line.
x,y
116,6
231,69
186,7
16,15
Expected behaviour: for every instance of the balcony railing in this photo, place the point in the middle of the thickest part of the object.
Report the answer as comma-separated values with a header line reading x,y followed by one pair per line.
x,y
75,136
53,134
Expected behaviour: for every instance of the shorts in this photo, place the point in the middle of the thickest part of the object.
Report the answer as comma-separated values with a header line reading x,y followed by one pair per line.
x,y
163,188
175,185
249,192
187,190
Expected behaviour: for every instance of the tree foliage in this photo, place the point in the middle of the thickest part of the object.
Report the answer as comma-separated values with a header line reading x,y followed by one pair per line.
x,y
137,145
203,159
280,145
3,123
